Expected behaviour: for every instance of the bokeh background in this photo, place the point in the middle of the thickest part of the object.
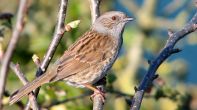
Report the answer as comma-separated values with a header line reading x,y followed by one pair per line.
x,y
176,87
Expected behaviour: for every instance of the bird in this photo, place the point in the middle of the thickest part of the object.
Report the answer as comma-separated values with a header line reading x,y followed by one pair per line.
x,y
87,60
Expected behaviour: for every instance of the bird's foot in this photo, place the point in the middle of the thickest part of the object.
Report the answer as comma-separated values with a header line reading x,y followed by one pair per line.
x,y
98,93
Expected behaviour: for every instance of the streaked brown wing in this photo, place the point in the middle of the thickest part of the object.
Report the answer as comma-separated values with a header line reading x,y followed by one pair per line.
x,y
89,50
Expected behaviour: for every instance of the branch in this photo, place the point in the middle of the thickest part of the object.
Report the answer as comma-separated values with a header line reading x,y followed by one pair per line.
x,y
67,100
23,7
98,99
24,80
59,32
167,51
110,91
95,13
118,93
94,7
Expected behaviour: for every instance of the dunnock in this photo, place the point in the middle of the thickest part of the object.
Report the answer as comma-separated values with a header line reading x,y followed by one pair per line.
x,y
88,59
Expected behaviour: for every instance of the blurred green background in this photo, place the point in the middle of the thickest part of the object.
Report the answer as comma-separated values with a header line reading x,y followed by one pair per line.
x,y
143,39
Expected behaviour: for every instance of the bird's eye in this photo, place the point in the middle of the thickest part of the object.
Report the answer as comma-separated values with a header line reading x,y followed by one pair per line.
x,y
113,17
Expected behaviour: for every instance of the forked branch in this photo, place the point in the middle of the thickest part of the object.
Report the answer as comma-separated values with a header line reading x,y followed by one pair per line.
x,y
58,34
166,52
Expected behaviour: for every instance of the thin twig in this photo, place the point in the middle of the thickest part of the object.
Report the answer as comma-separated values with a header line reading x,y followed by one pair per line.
x,y
110,91
95,13
36,60
118,93
59,32
167,51
94,7
67,100
23,7
24,80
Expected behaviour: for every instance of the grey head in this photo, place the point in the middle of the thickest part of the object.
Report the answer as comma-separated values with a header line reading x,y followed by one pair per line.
x,y
111,23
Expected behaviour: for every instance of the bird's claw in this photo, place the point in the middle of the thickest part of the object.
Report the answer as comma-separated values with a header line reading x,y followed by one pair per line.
x,y
99,93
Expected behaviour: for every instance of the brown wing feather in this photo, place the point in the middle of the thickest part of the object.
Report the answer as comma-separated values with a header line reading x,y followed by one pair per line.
x,y
90,49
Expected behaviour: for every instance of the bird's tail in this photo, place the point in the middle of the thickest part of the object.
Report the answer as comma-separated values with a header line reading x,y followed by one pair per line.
x,y
17,95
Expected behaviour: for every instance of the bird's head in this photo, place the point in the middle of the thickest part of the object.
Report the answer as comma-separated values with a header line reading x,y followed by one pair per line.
x,y
112,23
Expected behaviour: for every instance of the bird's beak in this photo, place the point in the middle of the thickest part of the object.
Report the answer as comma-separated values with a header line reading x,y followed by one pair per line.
x,y
127,19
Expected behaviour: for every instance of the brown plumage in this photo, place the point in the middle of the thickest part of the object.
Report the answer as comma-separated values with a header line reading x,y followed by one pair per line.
x,y
87,60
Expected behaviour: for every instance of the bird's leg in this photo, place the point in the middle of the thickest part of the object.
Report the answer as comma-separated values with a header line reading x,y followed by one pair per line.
x,y
97,91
